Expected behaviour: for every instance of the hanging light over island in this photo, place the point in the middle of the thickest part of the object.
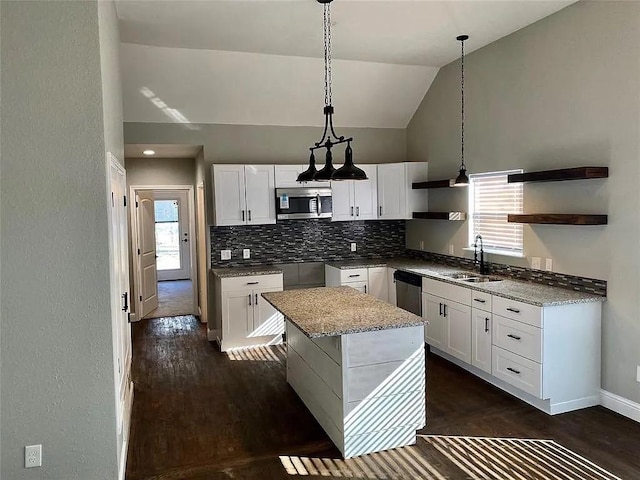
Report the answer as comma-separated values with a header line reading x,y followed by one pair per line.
x,y
462,180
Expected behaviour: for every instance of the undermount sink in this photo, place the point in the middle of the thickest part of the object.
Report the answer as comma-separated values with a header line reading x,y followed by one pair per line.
x,y
460,275
482,278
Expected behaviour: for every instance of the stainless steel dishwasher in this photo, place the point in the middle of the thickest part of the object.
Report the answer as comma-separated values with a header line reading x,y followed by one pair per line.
x,y
409,291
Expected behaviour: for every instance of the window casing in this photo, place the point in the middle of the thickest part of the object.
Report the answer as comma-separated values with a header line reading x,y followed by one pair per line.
x,y
491,198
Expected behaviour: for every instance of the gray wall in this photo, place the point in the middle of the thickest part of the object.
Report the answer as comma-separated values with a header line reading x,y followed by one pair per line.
x,y
253,144
562,92
56,355
160,171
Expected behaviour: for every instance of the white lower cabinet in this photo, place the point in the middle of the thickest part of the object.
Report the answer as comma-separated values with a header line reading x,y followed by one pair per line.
x,y
547,356
377,279
242,317
391,286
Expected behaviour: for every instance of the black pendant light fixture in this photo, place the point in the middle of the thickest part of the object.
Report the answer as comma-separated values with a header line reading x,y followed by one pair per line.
x,y
462,180
329,138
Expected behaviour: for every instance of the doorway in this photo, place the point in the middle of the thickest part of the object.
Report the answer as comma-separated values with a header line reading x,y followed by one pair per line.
x,y
163,227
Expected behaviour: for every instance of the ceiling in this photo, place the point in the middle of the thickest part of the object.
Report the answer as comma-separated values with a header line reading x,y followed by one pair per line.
x,y
259,62
132,150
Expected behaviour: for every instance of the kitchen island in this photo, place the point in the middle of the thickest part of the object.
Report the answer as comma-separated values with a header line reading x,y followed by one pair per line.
x,y
357,363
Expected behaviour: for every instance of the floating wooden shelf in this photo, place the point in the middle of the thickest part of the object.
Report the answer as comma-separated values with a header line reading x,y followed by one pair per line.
x,y
558,218
578,173
433,184
453,216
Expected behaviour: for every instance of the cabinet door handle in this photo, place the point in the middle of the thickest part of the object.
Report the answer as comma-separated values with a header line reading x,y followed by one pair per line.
x,y
249,212
479,300
318,205
517,372
445,309
441,309
365,289
253,283
515,337
514,310
352,211
354,275
256,303
380,210
250,299
357,211
125,296
243,215
486,324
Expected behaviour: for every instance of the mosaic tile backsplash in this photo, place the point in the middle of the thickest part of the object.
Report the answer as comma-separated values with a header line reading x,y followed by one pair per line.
x,y
553,279
307,240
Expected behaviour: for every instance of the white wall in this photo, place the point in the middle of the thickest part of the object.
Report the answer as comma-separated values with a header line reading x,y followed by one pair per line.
x,y
562,92
160,171
57,354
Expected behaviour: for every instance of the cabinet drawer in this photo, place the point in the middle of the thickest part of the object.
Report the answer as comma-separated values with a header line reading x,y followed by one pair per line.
x,y
447,290
353,275
518,371
253,282
518,337
481,300
523,312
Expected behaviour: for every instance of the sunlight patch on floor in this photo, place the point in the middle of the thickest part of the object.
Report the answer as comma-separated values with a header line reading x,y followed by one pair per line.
x,y
276,353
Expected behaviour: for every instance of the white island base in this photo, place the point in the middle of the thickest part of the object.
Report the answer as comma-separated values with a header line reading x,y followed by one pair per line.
x,y
366,390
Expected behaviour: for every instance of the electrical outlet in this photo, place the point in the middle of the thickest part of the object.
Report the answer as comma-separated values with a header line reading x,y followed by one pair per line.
x,y
246,253
32,456
421,244
548,264
225,254
535,263
353,246
451,249
638,374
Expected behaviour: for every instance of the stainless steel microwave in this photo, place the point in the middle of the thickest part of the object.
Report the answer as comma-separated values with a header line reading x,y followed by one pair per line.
x,y
298,203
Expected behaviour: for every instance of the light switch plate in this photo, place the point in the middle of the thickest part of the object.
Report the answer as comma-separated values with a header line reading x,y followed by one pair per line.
x,y
548,265
225,254
535,263
353,246
246,253
638,374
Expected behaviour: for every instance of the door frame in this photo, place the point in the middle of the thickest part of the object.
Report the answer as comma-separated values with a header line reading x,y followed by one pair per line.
x,y
137,280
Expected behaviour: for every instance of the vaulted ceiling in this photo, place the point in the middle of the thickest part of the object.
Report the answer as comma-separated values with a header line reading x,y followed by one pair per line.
x,y
260,62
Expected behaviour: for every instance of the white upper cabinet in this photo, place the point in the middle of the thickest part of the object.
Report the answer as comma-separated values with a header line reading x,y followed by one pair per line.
x,y
356,199
287,176
244,194
396,199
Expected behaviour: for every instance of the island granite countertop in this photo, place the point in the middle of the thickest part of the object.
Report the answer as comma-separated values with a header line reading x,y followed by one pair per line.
x,y
522,291
331,311
245,271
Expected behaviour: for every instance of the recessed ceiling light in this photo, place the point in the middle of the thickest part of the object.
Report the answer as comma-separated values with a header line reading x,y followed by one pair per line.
x,y
149,152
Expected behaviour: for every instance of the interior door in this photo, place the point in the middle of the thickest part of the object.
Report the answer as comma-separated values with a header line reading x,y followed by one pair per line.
x,y
260,194
266,319
365,194
172,229
202,244
146,224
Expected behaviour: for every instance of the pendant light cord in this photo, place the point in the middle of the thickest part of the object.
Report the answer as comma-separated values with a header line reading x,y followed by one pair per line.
x,y
327,54
462,105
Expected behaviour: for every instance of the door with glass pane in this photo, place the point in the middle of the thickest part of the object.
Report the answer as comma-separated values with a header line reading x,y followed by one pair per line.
x,y
172,235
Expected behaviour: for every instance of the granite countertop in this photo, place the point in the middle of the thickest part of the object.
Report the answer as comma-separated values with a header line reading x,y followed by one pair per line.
x,y
331,311
245,271
527,292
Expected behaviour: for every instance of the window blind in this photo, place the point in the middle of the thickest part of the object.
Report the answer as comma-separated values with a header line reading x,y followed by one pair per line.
x,y
491,198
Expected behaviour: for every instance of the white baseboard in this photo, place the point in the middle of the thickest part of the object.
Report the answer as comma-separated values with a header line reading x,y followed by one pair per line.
x,y
620,405
127,430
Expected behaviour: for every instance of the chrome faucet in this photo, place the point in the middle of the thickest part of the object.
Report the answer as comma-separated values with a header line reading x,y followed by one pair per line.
x,y
484,269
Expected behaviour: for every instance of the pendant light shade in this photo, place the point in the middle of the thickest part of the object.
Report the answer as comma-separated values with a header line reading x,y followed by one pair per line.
x,y
329,137
349,171
310,173
462,180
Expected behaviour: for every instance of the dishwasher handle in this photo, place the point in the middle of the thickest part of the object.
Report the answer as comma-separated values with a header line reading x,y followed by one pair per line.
x,y
406,277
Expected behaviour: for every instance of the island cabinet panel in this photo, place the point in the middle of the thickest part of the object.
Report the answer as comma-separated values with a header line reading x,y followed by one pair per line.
x,y
373,398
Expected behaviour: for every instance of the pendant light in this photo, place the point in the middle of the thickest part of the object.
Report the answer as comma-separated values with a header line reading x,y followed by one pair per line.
x,y
329,138
462,180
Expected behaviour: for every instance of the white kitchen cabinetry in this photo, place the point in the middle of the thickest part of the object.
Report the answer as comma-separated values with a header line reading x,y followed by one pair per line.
x,y
481,328
391,285
377,278
244,194
287,177
356,199
241,316
396,199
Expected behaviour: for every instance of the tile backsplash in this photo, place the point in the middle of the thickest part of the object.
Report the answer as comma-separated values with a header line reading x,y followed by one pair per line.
x,y
307,240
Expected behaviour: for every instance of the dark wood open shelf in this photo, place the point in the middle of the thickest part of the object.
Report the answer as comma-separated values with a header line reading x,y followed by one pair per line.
x,y
453,216
558,218
577,173
433,184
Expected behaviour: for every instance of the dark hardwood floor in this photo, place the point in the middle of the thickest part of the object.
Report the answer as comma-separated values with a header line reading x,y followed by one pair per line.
x,y
202,414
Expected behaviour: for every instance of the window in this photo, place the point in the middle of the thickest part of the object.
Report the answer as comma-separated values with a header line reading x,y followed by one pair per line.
x,y
167,234
491,198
